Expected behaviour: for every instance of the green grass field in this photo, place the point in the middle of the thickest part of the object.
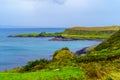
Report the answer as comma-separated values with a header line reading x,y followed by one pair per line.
x,y
66,73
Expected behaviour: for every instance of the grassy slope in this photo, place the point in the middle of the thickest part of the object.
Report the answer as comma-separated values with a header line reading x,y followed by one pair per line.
x,y
111,44
90,32
107,54
66,73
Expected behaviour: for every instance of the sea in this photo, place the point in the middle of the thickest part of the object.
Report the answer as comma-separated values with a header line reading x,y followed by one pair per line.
x,y
16,52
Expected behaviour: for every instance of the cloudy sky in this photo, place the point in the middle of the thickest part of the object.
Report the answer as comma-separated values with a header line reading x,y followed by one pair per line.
x,y
59,13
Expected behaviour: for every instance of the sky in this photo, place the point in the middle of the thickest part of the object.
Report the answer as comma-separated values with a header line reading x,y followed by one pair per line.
x,y
59,13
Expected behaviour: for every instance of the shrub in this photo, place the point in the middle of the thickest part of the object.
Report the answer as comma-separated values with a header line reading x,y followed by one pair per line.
x,y
36,65
65,48
63,56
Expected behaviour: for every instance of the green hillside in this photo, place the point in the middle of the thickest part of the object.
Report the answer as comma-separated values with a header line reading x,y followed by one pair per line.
x,y
90,32
102,28
66,73
105,58
107,50
111,44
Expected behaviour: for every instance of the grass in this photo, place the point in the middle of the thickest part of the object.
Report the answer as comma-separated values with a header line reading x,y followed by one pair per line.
x,y
103,28
102,70
115,75
90,32
66,73
26,35
42,34
84,36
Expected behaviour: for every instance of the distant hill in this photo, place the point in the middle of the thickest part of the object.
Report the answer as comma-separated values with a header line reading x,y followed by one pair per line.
x,y
75,33
90,32
106,28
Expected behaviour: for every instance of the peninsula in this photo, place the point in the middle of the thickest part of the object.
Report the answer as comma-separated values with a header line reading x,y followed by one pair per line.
x,y
76,33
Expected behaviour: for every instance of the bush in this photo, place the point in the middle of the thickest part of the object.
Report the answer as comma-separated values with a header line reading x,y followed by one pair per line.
x,y
36,65
63,54
63,57
65,48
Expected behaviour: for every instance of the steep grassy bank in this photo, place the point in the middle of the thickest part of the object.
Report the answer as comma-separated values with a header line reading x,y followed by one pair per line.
x,y
104,60
111,44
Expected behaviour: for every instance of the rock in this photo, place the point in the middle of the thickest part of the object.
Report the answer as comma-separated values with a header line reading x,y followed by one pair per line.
x,y
60,38
84,50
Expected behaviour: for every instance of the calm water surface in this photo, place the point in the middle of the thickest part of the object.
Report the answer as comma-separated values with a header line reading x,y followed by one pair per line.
x,y
16,52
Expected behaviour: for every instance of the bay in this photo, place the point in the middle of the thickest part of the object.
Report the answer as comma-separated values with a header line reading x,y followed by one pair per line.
x,y
15,52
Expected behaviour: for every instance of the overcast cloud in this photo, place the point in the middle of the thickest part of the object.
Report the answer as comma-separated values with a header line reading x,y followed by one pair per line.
x,y
59,13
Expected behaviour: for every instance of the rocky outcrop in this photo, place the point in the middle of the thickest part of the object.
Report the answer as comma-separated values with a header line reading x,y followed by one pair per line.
x,y
84,50
60,38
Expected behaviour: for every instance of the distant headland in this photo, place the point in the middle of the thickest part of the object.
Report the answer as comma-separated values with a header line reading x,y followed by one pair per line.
x,y
75,33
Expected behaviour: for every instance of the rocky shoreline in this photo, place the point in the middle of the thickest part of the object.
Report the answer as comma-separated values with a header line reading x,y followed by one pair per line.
x,y
60,38
85,50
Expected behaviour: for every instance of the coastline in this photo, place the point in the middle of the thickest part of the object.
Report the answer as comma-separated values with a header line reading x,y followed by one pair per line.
x,y
58,38
85,50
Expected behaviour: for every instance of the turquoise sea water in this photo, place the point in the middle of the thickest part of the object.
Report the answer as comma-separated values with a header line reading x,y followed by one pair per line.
x,y
16,52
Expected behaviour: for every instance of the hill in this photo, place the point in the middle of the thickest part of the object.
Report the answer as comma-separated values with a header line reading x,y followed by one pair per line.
x,y
106,28
104,60
90,32
107,50
111,44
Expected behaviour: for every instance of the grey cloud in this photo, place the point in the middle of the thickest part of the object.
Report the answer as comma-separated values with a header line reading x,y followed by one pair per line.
x,y
60,2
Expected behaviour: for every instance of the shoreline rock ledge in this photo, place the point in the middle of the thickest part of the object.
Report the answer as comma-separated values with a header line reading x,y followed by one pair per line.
x,y
84,50
60,38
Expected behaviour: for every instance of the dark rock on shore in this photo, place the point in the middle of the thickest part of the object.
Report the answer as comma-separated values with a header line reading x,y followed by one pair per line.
x,y
84,50
60,38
